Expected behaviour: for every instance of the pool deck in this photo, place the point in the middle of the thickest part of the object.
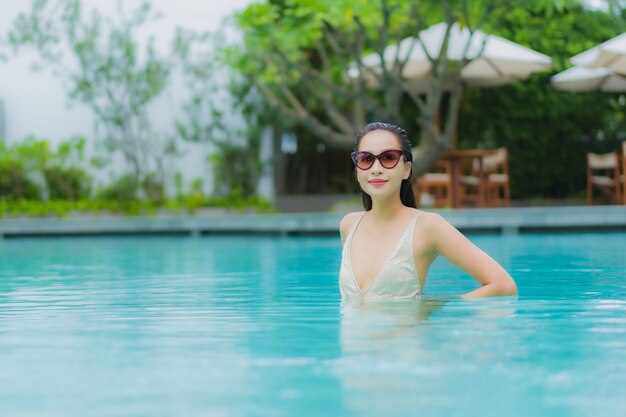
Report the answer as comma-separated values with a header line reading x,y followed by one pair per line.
x,y
499,220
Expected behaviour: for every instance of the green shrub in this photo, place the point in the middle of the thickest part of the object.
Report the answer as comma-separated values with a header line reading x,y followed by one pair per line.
x,y
67,183
189,204
34,158
236,200
128,188
153,188
124,189
14,181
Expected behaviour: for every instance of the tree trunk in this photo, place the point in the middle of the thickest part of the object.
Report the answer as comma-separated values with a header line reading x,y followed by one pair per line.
x,y
434,142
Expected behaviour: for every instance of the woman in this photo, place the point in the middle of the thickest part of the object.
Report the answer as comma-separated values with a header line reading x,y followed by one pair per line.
x,y
388,248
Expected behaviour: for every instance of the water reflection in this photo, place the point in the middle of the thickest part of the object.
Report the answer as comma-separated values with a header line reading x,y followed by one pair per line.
x,y
375,327
433,352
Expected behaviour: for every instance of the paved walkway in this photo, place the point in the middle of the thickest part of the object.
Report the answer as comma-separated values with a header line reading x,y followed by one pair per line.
x,y
502,220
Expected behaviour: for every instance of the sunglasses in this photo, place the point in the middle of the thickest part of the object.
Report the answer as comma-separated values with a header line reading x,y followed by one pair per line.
x,y
388,159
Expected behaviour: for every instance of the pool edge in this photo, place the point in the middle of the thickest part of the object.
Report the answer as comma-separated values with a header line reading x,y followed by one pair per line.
x,y
497,220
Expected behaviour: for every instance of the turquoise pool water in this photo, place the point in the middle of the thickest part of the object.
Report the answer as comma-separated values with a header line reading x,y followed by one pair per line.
x,y
253,326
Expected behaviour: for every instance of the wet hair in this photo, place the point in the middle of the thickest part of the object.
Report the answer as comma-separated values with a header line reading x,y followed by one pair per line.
x,y
407,196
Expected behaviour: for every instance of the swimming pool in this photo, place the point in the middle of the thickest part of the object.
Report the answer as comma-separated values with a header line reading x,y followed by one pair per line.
x,y
253,326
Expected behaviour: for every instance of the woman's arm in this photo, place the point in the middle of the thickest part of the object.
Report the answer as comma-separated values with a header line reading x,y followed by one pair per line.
x,y
456,248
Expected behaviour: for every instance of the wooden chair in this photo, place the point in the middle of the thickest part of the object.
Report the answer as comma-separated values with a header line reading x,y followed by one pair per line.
x,y
496,169
491,172
471,183
603,174
436,184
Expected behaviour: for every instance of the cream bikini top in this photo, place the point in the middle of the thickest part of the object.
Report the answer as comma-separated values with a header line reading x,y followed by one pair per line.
x,y
396,280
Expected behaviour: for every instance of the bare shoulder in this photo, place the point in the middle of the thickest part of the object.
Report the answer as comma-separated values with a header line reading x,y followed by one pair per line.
x,y
440,235
349,220
432,220
347,223
432,226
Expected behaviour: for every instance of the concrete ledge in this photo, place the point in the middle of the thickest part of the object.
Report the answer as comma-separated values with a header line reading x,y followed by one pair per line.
x,y
530,219
173,225
314,203
502,220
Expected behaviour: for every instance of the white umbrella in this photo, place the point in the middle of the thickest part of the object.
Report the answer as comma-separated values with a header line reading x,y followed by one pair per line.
x,y
493,60
589,79
610,54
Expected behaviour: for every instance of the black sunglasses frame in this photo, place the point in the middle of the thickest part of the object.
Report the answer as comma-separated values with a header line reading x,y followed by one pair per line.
x,y
355,155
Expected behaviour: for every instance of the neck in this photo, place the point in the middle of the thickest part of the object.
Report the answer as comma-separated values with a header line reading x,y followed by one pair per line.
x,y
384,210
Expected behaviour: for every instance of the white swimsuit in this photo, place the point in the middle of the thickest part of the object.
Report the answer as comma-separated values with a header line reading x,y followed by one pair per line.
x,y
397,279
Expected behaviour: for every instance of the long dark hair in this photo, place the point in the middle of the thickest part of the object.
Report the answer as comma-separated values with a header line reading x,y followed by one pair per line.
x,y
407,196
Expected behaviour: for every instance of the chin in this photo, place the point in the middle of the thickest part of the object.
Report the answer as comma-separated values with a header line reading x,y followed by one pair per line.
x,y
381,193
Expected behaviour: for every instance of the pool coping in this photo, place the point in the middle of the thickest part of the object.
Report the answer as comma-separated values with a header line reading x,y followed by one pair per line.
x,y
486,220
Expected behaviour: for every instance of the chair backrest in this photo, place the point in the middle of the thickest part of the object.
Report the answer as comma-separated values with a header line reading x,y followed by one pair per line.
x,y
498,161
441,166
602,161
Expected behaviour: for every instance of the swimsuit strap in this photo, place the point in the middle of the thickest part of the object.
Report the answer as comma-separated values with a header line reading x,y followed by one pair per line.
x,y
414,221
411,225
349,238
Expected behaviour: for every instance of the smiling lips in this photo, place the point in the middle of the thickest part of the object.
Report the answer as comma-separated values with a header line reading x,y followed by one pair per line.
x,y
377,182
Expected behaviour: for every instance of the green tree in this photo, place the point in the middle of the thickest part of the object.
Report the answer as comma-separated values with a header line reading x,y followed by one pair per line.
x,y
547,132
298,54
106,70
65,178
16,175
32,169
231,119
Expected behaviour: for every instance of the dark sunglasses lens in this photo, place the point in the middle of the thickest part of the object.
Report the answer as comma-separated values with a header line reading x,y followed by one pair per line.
x,y
389,159
364,160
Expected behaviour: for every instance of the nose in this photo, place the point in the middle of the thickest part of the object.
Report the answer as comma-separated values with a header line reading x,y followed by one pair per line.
x,y
377,167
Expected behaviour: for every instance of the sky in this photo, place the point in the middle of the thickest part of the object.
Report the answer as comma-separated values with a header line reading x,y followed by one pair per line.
x,y
596,4
36,103
196,13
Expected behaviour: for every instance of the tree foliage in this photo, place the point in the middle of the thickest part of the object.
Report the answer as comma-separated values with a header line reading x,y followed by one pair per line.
x,y
547,132
232,119
298,53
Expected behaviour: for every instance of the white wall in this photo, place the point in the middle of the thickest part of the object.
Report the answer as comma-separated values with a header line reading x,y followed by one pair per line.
x,y
36,103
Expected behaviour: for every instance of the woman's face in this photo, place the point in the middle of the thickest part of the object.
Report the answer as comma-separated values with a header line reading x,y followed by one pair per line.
x,y
378,181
